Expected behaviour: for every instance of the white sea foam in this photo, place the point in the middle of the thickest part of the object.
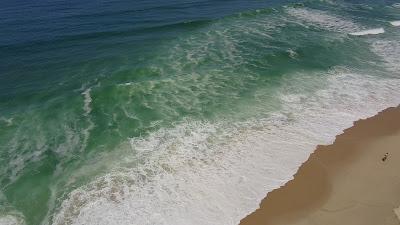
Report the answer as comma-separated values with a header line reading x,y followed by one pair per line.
x,y
8,220
292,54
368,32
324,20
11,220
395,23
8,121
87,101
203,173
9,216
389,50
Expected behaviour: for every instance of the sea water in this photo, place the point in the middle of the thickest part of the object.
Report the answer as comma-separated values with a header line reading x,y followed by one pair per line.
x,y
179,112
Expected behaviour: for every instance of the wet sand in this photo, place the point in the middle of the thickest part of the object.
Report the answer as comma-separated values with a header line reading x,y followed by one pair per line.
x,y
343,183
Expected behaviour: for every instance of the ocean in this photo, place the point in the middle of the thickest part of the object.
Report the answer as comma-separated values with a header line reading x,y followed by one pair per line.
x,y
179,112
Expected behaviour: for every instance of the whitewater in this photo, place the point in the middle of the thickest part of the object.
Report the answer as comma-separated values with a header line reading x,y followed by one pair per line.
x,y
198,131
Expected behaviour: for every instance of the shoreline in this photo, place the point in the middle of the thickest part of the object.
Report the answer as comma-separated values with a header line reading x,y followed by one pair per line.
x,y
346,182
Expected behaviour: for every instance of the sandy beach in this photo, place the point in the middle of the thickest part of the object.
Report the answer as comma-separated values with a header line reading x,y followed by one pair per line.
x,y
354,181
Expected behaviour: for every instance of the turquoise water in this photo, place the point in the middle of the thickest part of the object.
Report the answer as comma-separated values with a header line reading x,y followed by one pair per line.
x,y
188,112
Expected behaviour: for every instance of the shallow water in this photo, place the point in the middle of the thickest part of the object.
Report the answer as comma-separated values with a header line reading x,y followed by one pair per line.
x,y
155,112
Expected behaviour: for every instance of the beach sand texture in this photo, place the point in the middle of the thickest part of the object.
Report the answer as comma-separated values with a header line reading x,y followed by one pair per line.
x,y
348,182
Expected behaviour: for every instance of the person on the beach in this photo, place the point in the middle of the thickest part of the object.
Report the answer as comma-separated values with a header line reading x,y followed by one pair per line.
x,y
385,157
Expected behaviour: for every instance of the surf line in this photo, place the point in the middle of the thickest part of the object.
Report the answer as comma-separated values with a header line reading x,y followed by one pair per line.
x,y
368,32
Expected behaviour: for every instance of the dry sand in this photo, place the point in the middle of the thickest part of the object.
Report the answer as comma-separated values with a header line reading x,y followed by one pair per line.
x,y
345,183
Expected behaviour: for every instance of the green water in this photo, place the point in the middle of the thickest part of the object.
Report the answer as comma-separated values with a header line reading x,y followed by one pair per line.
x,y
69,100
